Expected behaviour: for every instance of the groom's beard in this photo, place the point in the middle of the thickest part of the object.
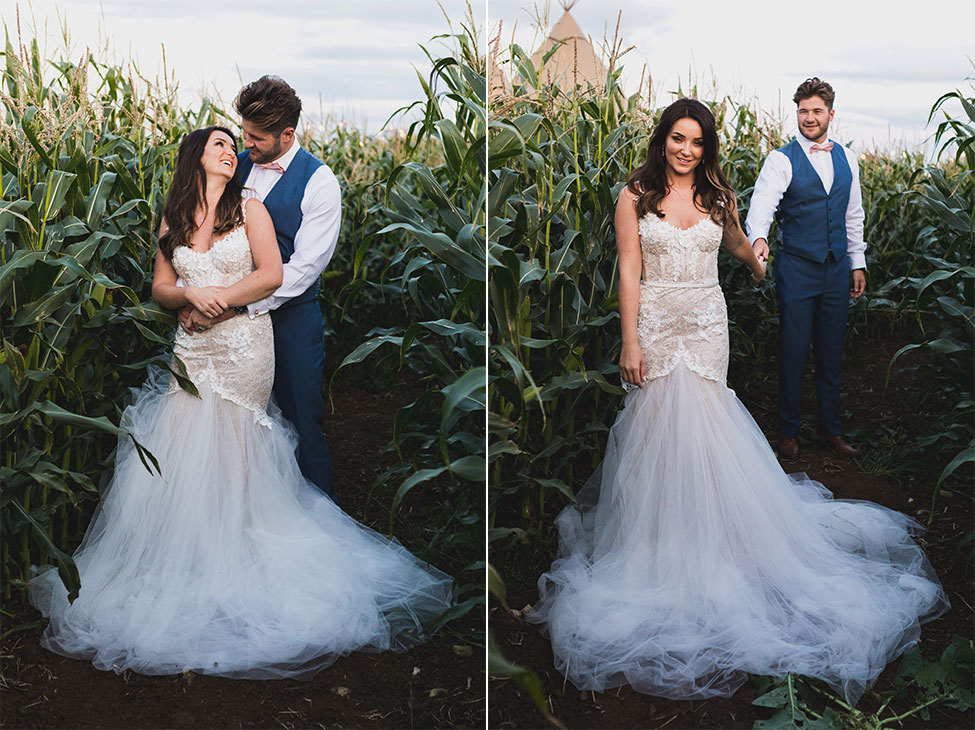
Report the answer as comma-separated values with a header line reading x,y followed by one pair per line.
x,y
260,158
814,132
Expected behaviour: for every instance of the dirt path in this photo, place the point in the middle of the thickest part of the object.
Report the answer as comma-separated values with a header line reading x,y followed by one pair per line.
x,y
902,407
439,684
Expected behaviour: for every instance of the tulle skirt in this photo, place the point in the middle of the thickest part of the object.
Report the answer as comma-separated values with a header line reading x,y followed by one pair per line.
x,y
230,563
692,560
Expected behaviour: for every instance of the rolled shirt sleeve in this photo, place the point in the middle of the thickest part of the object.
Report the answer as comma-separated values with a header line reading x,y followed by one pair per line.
x,y
321,221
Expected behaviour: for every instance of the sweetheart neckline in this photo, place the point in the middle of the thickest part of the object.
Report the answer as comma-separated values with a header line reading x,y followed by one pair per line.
x,y
215,243
677,228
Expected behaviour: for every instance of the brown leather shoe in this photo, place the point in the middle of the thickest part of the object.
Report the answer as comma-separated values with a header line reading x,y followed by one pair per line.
x,y
788,447
837,444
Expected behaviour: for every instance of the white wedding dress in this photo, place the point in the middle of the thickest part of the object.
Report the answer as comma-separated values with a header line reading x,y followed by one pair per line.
x,y
691,558
230,563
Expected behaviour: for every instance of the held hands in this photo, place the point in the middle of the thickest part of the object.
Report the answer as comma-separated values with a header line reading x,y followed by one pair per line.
x,y
760,247
758,275
200,322
192,320
183,317
207,299
859,283
632,365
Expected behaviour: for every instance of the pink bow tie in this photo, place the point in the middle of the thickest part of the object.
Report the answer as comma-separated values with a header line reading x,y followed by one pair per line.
x,y
275,167
821,147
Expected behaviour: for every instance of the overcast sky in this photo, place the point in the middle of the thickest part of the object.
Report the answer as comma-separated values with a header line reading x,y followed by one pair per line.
x,y
357,56
888,65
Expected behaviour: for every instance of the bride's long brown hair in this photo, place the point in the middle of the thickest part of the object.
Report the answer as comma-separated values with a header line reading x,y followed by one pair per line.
x,y
187,193
649,181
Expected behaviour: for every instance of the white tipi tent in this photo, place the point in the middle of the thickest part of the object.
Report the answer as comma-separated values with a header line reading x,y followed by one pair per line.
x,y
575,62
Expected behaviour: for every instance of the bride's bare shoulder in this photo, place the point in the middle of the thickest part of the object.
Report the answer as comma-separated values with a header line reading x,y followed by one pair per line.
x,y
252,203
627,199
630,192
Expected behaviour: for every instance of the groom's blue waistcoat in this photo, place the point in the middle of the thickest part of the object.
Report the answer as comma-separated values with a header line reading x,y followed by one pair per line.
x,y
813,222
284,205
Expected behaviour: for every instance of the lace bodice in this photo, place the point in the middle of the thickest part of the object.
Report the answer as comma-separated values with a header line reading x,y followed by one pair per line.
x,y
682,316
235,358
672,254
227,262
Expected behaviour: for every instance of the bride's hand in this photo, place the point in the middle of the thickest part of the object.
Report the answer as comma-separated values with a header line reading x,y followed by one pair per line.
x,y
632,365
199,322
758,276
207,299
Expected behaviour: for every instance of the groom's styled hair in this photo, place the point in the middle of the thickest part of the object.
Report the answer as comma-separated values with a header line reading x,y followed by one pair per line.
x,y
815,87
270,103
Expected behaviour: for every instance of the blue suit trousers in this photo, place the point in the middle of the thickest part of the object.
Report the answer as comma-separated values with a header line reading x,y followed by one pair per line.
x,y
299,365
813,300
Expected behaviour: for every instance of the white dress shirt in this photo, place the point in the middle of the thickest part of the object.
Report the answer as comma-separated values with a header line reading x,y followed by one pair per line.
x,y
774,180
321,220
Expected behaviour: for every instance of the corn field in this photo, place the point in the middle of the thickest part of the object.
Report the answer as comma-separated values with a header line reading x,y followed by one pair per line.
x,y
435,279
87,151
557,163
477,262
83,179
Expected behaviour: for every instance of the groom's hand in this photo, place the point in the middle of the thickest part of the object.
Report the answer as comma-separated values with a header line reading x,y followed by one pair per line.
x,y
183,316
859,283
199,322
760,247
193,320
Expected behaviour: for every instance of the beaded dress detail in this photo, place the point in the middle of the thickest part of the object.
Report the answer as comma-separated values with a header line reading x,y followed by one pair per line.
x,y
228,561
690,559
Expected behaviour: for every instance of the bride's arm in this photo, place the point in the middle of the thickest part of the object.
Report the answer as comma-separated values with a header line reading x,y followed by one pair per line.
x,y
632,366
738,245
266,277
164,289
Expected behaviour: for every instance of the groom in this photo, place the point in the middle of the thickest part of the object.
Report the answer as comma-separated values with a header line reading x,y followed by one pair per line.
x,y
812,187
304,200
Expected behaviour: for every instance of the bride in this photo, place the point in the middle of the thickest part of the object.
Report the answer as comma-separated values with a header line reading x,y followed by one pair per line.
x,y
228,562
692,559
